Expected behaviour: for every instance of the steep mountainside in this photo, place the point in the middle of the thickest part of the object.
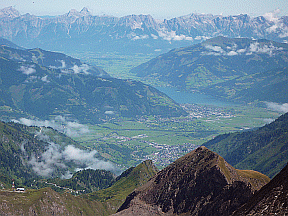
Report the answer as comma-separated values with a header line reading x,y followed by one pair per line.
x,y
47,202
45,84
15,139
31,152
82,182
264,149
132,178
199,183
240,69
81,31
270,200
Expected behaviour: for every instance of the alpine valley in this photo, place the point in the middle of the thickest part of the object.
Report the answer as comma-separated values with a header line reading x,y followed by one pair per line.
x,y
75,140
238,69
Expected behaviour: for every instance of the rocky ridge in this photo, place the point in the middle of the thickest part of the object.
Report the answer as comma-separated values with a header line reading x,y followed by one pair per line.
x,y
86,32
199,183
271,199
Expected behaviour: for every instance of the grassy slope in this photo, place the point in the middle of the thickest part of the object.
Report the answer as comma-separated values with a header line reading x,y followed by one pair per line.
x,y
115,195
47,202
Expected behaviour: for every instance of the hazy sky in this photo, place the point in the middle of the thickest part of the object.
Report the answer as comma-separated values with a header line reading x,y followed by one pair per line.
x,y
157,8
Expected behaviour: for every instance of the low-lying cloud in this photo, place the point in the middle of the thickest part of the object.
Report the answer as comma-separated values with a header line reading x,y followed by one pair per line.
x,y
81,69
173,36
56,158
60,123
283,108
28,70
254,48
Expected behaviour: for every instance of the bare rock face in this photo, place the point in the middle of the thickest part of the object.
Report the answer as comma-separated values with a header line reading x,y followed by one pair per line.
x,y
199,183
272,199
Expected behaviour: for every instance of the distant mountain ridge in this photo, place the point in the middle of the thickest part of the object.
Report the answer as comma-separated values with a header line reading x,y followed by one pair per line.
x,y
84,31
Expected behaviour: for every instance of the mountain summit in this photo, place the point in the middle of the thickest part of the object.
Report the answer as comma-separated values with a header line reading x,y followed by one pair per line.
x,y
83,31
199,183
9,12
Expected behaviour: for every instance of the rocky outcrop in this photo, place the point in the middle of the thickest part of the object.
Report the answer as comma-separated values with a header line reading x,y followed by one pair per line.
x,y
270,200
199,183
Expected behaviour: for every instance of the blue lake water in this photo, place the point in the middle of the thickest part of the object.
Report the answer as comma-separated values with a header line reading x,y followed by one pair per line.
x,y
193,98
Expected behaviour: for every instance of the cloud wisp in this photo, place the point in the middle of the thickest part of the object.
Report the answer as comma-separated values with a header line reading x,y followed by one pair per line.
x,y
56,158
283,108
59,123
28,70
254,48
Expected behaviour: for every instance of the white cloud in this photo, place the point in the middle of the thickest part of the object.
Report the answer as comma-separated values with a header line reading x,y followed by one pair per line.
x,y
109,112
201,38
27,69
56,158
166,35
215,48
272,16
263,48
81,69
60,123
254,48
283,108
63,65
45,79
141,37
232,53
154,36
48,161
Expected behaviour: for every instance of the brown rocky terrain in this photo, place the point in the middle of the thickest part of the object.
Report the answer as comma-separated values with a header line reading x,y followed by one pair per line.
x,y
199,183
272,199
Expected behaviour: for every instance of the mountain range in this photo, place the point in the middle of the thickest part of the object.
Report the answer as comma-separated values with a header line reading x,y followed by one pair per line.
x,y
82,31
44,84
239,69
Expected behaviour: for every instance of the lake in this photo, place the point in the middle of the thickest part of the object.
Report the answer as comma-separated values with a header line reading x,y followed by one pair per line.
x,y
182,97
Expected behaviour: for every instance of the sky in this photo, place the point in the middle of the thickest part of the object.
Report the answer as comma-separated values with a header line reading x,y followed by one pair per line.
x,y
162,9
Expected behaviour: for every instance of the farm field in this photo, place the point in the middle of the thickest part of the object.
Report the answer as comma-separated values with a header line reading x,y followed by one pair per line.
x,y
127,142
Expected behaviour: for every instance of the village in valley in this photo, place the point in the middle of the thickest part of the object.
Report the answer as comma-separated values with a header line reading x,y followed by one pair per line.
x,y
127,142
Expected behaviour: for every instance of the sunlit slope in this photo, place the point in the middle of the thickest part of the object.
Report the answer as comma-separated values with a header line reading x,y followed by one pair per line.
x,y
32,84
240,69
129,180
47,202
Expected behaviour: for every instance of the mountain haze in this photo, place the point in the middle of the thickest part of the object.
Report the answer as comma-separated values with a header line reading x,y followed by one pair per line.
x,y
82,31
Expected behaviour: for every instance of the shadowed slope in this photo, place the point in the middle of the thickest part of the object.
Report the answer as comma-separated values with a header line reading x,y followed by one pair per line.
x,y
271,199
